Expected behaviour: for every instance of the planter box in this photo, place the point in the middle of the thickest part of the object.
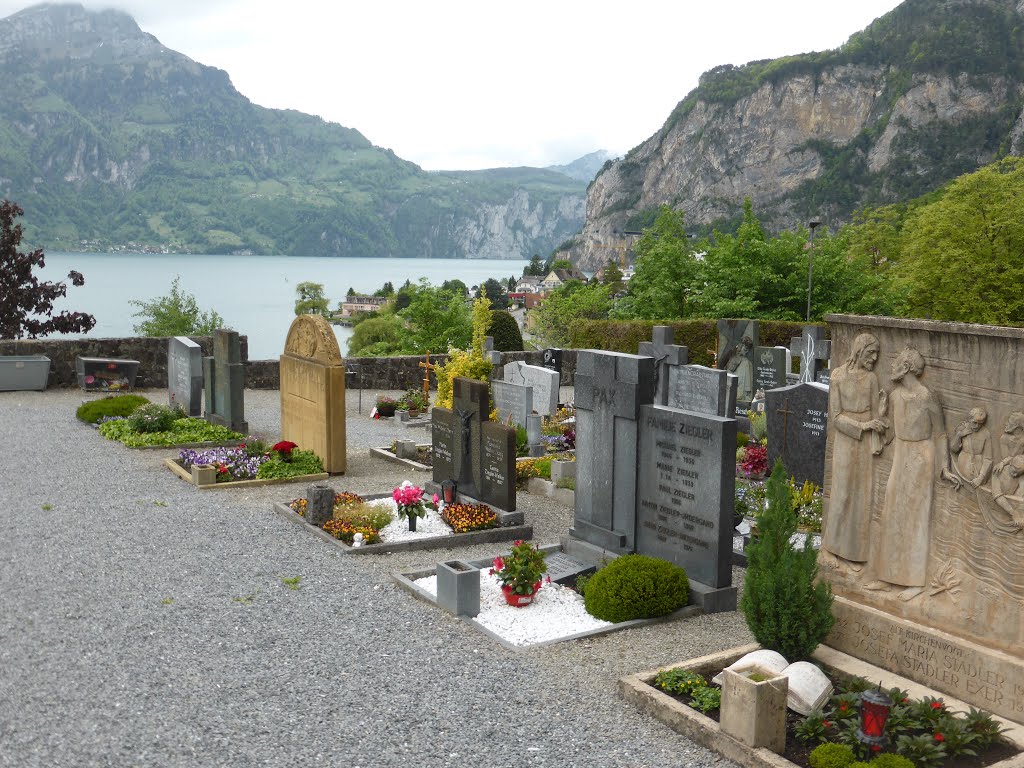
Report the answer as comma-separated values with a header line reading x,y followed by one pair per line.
x,y
186,474
101,374
458,588
23,372
387,455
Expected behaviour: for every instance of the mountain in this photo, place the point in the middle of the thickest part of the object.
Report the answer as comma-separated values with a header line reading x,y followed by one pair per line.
x,y
110,140
583,168
930,91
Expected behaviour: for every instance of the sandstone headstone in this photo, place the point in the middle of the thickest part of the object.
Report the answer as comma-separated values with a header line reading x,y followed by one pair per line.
x,y
666,354
924,504
185,375
610,390
797,420
224,382
545,383
313,391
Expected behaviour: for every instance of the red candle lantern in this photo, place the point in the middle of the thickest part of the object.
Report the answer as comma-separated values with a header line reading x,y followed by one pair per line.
x,y
448,489
874,712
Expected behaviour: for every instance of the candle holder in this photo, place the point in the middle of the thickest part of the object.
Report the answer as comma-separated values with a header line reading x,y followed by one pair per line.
x,y
448,490
875,706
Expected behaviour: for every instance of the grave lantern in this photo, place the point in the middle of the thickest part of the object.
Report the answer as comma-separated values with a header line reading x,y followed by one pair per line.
x,y
448,489
874,711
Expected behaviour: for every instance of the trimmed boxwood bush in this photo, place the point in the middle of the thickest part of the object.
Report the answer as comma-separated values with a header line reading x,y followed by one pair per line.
x,y
832,755
117,405
505,331
636,587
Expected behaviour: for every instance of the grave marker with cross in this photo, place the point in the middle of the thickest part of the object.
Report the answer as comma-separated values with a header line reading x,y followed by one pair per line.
x,y
427,368
665,354
610,388
814,351
797,420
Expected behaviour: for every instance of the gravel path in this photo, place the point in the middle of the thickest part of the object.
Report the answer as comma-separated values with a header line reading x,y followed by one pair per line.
x,y
146,623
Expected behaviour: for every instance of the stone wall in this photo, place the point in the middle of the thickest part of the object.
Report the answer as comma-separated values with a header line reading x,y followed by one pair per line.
x,y
376,373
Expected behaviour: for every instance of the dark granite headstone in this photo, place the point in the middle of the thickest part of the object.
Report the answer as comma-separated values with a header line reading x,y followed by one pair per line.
x,y
610,389
824,376
666,355
498,465
814,351
185,375
686,491
224,382
553,360
737,340
770,367
472,451
512,400
797,421
703,390
100,374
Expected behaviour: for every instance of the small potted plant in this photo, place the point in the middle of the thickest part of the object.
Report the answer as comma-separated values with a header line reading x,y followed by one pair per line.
x,y
386,406
410,504
520,573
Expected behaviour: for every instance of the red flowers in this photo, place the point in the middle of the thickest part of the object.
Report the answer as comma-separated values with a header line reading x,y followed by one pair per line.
x,y
499,563
826,723
876,748
939,737
936,705
842,706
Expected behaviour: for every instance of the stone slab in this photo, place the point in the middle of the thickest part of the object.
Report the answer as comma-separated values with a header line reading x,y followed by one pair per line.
x,y
514,402
702,389
771,364
544,382
185,375
384,453
797,422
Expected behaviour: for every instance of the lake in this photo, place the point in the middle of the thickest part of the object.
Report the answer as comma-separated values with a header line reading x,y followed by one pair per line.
x,y
254,294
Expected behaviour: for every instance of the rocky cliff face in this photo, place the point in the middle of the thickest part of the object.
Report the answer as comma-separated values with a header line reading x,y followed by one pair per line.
x,y
836,134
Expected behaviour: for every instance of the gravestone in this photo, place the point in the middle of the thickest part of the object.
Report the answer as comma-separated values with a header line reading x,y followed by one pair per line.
x,y
544,381
553,360
610,389
797,422
686,498
224,382
824,376
771,364
936,594
512,401
480,456
701,389
813,349
737,340
666,355
185,375
312,376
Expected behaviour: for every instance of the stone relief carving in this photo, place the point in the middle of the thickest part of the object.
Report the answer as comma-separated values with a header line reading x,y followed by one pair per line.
x,y
971,445
312,337
856,405
920,455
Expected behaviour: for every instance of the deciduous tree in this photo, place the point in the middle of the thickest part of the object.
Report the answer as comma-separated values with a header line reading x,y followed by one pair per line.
x,y
176,314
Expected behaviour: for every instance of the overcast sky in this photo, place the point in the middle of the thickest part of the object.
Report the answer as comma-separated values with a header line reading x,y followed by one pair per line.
x,y
455,84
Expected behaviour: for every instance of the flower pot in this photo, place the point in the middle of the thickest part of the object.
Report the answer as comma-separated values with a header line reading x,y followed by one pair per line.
x,y
755,712
519,601
414,413
386,409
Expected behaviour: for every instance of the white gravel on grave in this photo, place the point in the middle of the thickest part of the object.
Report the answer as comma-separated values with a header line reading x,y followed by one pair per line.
x,y
429,525
555,612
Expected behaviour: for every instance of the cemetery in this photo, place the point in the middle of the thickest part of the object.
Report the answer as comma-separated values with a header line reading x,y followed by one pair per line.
x,y
871,468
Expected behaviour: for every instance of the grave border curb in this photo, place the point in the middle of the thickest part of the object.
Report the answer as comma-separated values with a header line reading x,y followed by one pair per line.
x,y
180,471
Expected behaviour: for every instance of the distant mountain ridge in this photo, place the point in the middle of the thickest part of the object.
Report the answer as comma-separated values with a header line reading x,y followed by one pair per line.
x,y
930,91
109,139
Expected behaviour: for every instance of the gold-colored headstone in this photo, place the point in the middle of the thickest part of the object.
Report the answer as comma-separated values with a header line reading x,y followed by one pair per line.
x,y
312,337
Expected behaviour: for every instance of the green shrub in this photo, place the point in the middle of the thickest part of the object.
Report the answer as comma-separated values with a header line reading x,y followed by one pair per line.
x,y
153,417
679,681
183,432
707,698
505,331
785,610
831,755
636,587
117,405
890,760
742,438
300,463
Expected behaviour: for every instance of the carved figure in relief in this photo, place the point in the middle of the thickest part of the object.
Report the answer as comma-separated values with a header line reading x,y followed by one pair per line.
x,y
1008,490
972,446
737,362
920,457
856,406
1011,442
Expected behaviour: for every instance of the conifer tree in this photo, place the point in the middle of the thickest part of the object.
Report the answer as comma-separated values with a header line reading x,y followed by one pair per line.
x,y
785,610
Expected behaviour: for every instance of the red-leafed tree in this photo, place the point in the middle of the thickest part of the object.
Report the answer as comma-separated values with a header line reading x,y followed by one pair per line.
x,y
26,304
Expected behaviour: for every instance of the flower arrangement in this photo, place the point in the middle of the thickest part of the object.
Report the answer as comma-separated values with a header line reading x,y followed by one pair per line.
x,y
414,399
409,501
242,464
755,461
284,449
521,571
469,517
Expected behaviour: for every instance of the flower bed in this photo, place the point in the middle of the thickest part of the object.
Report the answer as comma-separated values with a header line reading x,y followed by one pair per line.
x,y
186,431
463,518
924,729
249,463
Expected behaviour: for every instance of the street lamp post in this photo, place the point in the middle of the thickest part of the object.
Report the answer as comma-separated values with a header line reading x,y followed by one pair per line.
x,y
810,268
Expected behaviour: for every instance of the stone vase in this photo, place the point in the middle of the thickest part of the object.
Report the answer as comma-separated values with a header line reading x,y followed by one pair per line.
x,y
754,712
458,588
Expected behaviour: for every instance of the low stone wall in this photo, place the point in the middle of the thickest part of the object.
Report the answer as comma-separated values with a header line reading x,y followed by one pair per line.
x,y
377,373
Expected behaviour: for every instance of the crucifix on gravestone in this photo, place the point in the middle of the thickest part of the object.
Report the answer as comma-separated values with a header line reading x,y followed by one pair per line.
x,y
813,349
786,413
470,401
665,354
